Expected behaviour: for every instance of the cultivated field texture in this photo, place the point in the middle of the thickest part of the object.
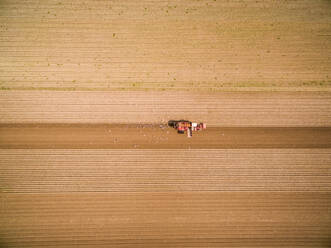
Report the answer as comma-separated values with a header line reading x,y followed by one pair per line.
x,y
54,44
86,90
165,198
126,170
120,107
78,136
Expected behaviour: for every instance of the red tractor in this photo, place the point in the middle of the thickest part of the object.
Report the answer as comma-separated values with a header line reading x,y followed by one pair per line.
x,y
183,125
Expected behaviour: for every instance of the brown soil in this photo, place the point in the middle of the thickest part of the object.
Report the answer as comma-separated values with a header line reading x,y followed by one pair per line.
x,y
164,170
218,109
170,219
56,196
163,197
36,136
160,45
150,61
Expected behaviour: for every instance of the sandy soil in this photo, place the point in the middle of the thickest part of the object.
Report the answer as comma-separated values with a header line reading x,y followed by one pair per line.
x,y
164,197
243,64
158,137
276,109
161,45
165,170
191,219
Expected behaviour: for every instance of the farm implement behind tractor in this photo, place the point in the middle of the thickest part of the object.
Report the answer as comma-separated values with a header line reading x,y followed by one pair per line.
x,y
183,126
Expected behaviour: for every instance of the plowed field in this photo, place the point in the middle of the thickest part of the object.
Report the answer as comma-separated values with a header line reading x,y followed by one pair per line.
x,y
86,90
79,136
134,196
168,219
232,109
86,170
151,44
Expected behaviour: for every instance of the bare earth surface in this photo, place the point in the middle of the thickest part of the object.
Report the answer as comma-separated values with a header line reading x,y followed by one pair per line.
x,y
161,136
164,197
91,73
169,219
232,109
106,184
165,170
153,44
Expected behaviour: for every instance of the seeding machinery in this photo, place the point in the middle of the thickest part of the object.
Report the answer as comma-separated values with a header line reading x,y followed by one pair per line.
x,y
183,126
